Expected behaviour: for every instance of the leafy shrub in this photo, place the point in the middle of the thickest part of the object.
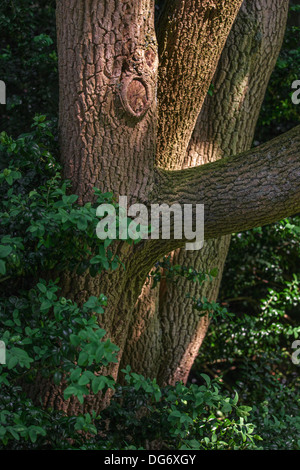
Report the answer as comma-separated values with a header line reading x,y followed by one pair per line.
x,y
252,354
278,113
142,415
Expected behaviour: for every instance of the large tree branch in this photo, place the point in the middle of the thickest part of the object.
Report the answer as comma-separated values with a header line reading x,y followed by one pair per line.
x,y
191,36
254,188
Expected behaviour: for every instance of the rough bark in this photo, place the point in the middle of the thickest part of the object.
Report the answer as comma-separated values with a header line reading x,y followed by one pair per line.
x,y
107,73
166,334
191,36
235,201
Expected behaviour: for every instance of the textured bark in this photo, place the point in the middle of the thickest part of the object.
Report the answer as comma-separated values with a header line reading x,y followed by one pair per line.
x,y
166,332
191,36
108,123
107,69
233,201
108,132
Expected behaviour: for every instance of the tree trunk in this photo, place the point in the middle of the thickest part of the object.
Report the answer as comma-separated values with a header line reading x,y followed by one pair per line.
x,y
108,126
166,332
108,79
115,135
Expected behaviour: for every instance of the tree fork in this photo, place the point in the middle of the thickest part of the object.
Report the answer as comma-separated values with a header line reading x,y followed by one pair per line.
x,y
166,333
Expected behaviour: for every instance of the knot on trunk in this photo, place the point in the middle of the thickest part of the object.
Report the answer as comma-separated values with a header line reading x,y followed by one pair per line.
x,y
136,95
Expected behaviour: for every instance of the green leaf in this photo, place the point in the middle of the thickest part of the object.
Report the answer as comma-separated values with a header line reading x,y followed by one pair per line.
x,y
226,408
175,414
236,398
84,380
12,362
5,251
206,378
83,358
46,304
75,374
92,302
42,288
75,340
69,391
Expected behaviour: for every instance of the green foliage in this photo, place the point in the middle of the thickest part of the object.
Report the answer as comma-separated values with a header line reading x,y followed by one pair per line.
x,y
28,62
140,415
279,113
47,337
195,417
23,425
51,231
252,354
261,258
260,285
172,273
165,270
50,338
